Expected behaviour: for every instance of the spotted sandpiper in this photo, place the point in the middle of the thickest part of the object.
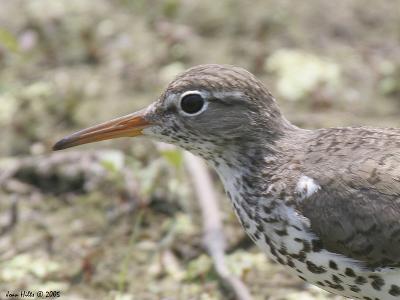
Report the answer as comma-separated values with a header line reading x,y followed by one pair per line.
x,y
324,203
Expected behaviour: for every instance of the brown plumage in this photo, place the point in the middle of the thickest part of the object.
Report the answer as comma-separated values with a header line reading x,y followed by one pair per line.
x,y
324,203
357,210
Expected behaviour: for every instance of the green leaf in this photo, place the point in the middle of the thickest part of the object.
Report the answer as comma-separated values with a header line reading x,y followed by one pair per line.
x,y
300,73
112,161
174,157
199,268
8,40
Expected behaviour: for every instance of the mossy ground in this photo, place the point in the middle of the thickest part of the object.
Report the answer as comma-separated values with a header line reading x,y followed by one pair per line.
x,y
123,223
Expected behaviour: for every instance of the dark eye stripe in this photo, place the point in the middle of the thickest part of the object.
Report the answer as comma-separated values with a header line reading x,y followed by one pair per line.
x,y
221,101
228,101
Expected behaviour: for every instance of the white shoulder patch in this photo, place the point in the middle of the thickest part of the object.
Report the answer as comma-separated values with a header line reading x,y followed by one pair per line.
x,y
306,186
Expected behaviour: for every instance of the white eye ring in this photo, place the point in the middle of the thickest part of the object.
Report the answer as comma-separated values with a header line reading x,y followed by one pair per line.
x,y
189,93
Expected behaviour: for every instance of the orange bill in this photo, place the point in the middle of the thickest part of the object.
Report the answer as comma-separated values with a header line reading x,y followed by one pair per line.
x,y
127,126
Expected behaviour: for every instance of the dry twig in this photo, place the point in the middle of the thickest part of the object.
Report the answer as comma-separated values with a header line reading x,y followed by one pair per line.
x,y
214,239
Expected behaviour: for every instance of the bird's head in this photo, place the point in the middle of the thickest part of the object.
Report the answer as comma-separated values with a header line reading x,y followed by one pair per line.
x,y
206,109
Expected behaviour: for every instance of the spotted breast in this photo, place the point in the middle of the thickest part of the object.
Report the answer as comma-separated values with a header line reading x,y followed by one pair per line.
x,y
278,219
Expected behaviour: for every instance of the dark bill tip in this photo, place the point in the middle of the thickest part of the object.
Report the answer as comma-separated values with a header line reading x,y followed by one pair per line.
x,y
127,126
62,144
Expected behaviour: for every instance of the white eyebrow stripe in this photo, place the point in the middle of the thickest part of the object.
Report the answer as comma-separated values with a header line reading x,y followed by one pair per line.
x,y
234,94
170,99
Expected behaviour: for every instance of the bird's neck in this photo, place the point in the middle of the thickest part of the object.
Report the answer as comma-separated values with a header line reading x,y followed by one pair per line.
x,y
245,167
262,148
251,175
242,168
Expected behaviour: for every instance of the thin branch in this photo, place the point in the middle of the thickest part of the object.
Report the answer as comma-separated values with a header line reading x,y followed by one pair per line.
x,y
214,238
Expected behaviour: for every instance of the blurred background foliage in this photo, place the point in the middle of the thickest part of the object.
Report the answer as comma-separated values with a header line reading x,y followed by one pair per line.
x,y
118,220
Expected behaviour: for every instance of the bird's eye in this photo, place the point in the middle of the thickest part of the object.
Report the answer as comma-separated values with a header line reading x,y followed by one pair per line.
x,y
192,103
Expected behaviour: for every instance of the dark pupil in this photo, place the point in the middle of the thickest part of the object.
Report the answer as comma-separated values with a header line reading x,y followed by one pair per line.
x,y
192,103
